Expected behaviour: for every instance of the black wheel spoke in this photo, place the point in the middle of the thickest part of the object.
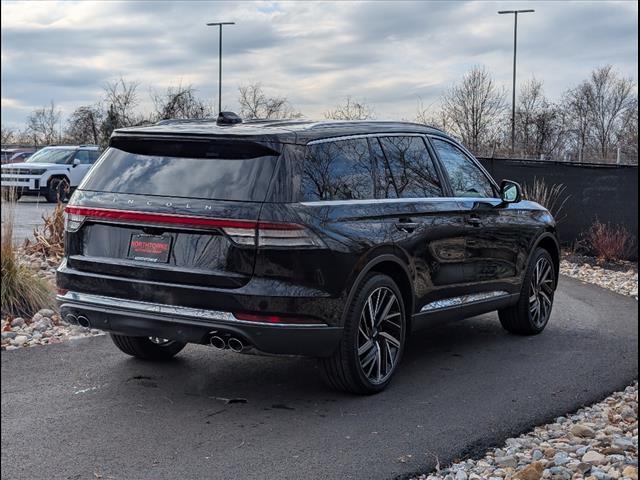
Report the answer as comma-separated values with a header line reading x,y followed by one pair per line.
x,y
541,292
379,334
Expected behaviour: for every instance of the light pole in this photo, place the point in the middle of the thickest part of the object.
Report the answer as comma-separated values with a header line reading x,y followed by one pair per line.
x,y
513,93
219,25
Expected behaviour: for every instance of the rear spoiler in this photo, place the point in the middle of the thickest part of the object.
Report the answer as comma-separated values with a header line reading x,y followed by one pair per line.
x,y
190,147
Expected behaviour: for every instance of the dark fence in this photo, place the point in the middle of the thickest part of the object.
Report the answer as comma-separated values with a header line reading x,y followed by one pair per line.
x,y
606,192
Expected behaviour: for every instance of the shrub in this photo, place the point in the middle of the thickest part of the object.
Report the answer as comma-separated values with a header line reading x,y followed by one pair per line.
x,y
608,243
49,238
23,293
551,197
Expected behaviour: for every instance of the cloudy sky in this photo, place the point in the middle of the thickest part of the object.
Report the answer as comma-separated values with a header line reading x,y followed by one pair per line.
x,y
388,53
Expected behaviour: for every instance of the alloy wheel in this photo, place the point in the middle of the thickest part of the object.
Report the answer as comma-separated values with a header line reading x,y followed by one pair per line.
x,y
541,292
163,342
380,333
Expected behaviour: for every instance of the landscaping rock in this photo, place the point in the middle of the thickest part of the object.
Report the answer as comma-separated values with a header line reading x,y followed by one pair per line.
x,y
530,472
17,322
593,458
582,431
595,443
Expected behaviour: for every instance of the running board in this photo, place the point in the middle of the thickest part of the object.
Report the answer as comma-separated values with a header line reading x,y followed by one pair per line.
x,y
463,306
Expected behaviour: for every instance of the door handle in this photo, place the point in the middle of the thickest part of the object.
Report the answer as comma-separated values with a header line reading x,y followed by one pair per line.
x,y
475,221
406,225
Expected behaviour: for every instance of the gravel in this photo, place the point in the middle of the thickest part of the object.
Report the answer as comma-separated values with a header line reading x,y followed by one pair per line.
x,y
599,442
595,443
45,327
623,279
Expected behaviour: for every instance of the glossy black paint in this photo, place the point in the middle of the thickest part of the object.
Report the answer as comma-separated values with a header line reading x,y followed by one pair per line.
x,y
434,248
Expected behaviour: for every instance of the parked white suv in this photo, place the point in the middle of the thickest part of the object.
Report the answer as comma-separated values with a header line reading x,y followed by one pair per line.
x,y
53,172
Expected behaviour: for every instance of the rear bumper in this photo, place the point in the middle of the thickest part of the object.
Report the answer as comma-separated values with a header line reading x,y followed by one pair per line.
x,y
185,324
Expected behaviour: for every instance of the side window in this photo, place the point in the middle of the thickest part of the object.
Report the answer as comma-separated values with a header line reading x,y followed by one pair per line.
x,y
467,180
340,170
83,156
407,170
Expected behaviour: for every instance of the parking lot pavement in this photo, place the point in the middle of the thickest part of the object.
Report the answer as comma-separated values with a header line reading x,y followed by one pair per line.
x,y
83,409
28,215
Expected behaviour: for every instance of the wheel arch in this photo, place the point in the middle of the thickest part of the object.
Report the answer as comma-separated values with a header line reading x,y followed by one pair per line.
x,y
392,266
548,242
58,175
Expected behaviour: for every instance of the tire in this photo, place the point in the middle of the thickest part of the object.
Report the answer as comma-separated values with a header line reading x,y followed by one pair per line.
x,y
146,349
369,372
530,316
58,190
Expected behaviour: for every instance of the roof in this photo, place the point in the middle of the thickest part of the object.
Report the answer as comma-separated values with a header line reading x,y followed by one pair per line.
x,y
286,131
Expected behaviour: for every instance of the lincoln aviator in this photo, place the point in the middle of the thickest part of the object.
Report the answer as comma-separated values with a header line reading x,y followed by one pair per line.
x,y
334,239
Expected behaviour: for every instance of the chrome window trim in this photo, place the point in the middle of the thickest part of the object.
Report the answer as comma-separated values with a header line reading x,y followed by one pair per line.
x,y
163,309
365,135
463,300
320,203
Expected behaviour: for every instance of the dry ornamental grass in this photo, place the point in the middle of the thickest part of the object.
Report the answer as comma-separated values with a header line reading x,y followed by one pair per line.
x,y
23,293
49,238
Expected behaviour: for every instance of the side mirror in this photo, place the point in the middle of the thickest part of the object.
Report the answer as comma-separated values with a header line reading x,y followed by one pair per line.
x,y
76,161
510,192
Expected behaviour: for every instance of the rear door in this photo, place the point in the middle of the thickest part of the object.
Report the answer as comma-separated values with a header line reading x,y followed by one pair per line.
x,y
430,224
174,211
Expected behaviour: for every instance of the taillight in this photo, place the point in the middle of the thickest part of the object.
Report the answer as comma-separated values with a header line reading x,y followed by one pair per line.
x,y
283,235
241,232
72,221
286,235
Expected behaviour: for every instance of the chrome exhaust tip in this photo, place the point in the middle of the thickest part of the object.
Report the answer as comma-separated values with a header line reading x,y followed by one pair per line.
x,y
84,321
236,345
71,319
217,342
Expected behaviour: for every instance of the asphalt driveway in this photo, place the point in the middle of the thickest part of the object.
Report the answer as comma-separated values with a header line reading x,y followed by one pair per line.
x,y
83,410
28,215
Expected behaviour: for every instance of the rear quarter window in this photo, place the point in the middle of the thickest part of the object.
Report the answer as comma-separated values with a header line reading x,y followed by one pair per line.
x,y
337,170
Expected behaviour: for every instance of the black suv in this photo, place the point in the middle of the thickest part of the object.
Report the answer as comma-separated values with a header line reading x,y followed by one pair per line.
x,y
328,239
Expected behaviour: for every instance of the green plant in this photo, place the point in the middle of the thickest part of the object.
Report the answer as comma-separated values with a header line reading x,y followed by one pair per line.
x,y
551,197
23,293
608,242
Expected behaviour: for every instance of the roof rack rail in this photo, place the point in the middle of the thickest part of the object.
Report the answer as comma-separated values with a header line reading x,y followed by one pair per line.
x,y
171,121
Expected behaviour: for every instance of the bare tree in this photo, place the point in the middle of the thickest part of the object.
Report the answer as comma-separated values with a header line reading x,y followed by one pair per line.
x,y
254,104
7,134
475,107
540,124
609,97
180,102
351,110
43,124
122,99
84,124
431,116
628,137
576,105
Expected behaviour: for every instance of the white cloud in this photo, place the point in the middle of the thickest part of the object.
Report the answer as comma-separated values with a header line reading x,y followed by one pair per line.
x,y
315,53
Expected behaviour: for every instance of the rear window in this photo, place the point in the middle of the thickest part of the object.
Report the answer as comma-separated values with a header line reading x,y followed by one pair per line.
x,y
243,179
